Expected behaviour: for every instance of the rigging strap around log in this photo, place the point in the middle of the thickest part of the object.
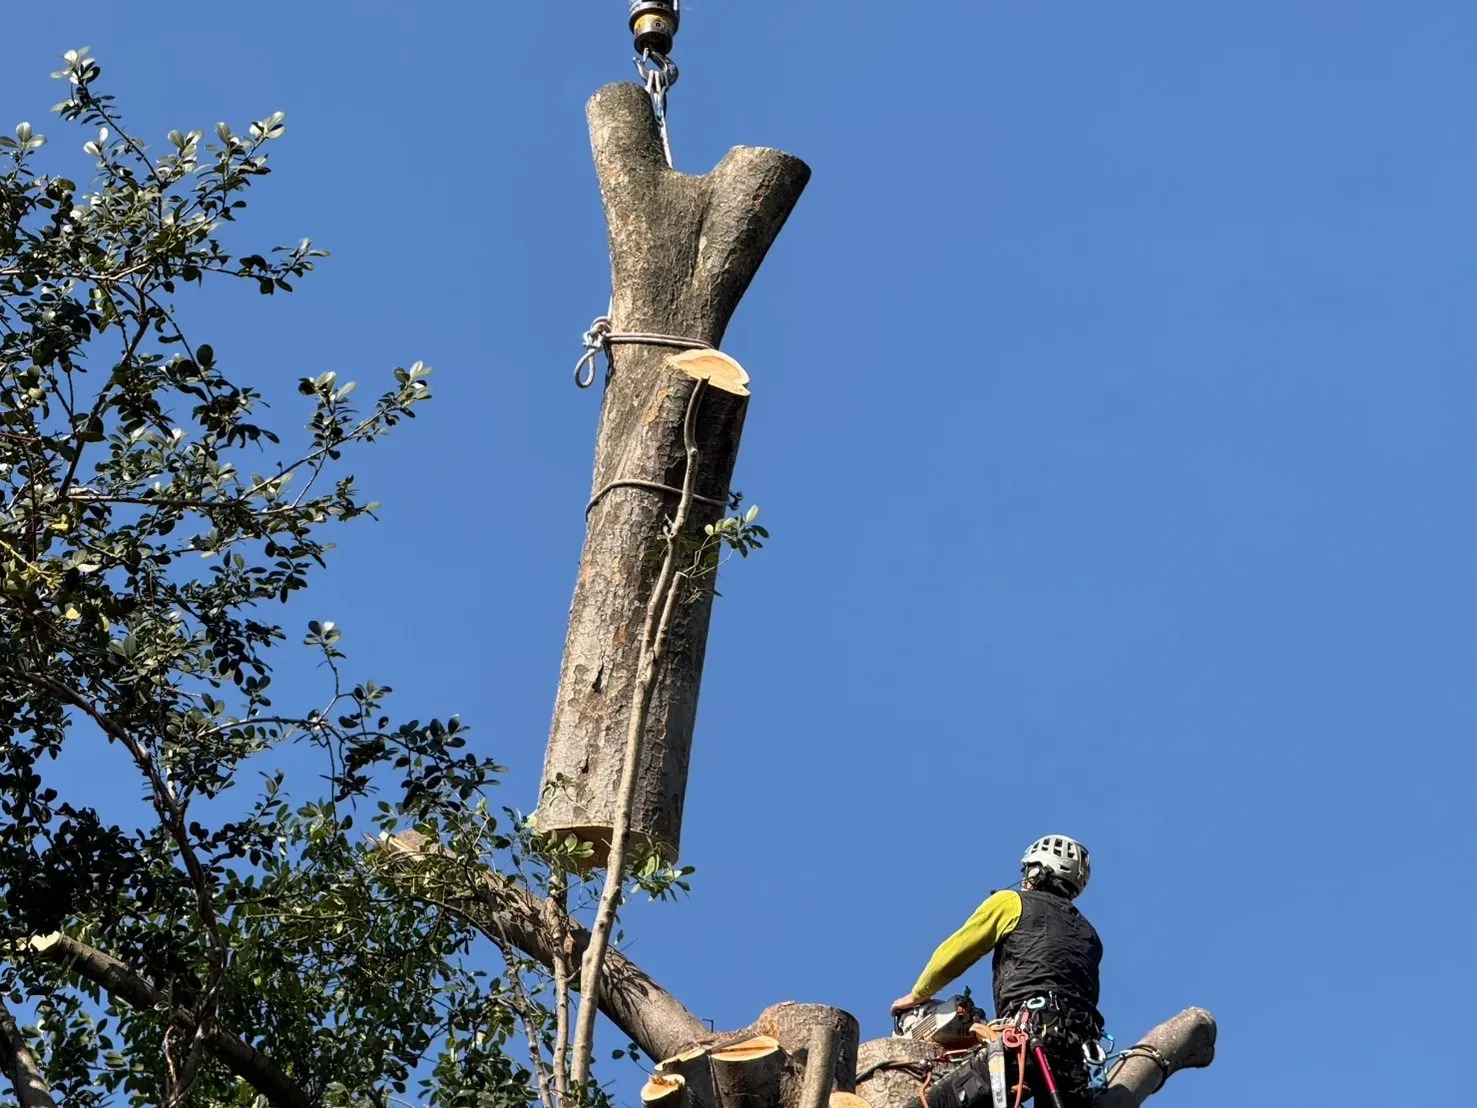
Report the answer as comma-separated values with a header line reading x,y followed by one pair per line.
x,y
1143,1050
601,337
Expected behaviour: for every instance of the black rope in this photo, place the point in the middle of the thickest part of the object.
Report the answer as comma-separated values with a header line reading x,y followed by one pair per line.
x,y
653,486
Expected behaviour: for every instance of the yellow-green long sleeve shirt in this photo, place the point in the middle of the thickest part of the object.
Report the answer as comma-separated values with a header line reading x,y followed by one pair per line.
x,y
991,922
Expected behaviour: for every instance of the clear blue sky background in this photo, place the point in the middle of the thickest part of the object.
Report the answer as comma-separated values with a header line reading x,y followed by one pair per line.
x,y
1113,415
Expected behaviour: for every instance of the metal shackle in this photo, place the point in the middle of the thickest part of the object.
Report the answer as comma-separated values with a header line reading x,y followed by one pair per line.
x,y
654,24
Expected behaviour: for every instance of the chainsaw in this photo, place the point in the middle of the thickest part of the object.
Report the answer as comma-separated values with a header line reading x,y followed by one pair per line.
x,y
943,1022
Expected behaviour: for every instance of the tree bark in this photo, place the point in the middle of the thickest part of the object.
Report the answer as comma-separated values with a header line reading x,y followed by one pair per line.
x,y
1185,1042
792,1056
884,1074
31,1088
120,982
749,1074
889,1079
655,1020
683,250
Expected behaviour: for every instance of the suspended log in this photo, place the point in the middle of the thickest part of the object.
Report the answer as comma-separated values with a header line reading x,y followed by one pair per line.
x,y
683,250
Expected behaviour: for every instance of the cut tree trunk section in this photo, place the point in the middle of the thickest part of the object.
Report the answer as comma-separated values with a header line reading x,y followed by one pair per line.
x,y
792,1056
890,1076
683,250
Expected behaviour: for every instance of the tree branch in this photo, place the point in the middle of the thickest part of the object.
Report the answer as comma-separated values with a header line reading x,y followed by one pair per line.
x,y
172,814
889,1077
21,1066
653,642
524,1008
1185,1042
504,910
556,923
121,982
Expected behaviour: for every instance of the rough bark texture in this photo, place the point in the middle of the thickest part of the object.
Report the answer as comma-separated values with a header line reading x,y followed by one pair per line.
x,y
31,1089
771,1063
655,1020
749,1074
683,250
880,1079
121,983
1185,1042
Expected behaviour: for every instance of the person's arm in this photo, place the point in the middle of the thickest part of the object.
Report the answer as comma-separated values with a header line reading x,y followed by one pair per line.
x,y
991,922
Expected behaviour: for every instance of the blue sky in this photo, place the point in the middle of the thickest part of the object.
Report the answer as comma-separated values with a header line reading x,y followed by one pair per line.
x,y
1113,396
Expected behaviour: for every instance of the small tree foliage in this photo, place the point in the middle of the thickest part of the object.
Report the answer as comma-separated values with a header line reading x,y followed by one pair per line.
x,y
248,943
149,526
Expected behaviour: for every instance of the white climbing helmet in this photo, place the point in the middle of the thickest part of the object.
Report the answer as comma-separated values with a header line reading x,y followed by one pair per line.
x,y
1063,858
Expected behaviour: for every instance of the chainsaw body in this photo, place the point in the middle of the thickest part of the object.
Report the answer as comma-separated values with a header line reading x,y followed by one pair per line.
x,y
944,1022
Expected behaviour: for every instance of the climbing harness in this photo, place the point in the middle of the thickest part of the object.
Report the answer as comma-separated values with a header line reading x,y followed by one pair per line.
x,y
995,1065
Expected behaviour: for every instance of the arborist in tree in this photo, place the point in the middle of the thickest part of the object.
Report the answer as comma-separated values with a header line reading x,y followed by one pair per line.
x,y
1046,988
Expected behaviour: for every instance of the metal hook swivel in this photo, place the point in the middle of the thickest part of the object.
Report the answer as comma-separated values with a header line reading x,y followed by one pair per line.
x,y
654,24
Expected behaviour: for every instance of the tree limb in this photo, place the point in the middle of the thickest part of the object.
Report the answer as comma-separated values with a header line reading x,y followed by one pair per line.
x,y
172,814
653,643
121,982
1185,1042
504,910
889,1067
21,1066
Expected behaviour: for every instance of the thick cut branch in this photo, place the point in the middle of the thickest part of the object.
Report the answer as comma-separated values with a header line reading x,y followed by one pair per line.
x,y
1185,1042
683,251
655,1020
820,1067
663,1091
118,981
748,1074
31,1088
889,1077
792,1056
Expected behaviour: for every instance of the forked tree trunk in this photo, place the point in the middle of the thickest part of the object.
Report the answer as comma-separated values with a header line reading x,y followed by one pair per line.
x,y
683,250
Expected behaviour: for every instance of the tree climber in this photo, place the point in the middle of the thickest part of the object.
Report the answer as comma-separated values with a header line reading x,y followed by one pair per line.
x,y
1046,979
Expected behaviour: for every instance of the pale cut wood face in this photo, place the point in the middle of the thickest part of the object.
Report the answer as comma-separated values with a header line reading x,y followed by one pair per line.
x,y
714,366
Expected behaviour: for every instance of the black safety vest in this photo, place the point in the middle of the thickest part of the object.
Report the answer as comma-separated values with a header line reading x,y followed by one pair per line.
x,y
1053,949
